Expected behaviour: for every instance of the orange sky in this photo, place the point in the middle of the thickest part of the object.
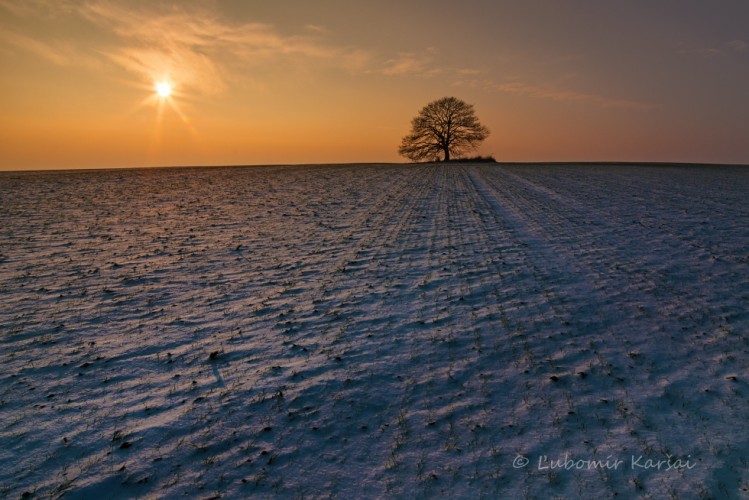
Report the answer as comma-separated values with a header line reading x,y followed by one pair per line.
x,y
339,81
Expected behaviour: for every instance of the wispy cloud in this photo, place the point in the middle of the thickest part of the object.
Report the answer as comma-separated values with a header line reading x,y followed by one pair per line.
x,y
412,63
202,51
37,8
426,63
701,51
54,54
561,94
727,48
57,52
317,28
738,45
198,48
193,46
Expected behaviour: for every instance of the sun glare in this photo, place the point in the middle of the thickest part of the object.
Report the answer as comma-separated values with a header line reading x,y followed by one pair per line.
x,y
162,98
163,89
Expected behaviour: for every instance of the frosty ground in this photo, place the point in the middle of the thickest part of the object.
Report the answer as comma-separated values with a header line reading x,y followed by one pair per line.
x,y
375,330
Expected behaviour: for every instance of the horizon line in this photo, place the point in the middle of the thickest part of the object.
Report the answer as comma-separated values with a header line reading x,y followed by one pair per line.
x,y
370,163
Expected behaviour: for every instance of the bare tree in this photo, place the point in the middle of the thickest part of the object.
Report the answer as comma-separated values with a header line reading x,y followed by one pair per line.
x,y
447,126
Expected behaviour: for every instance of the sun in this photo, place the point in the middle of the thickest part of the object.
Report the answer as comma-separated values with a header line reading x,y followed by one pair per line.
x,y
163,89
165,95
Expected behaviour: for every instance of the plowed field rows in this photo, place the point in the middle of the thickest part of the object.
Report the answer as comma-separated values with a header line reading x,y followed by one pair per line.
x,y
375,330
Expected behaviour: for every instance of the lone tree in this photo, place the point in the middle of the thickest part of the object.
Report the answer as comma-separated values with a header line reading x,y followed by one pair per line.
x,y
447,126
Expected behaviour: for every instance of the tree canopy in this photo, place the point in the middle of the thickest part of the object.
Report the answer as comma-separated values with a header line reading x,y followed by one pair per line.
x,y
447,127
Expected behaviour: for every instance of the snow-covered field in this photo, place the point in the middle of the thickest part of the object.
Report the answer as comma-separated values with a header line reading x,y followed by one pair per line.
x,y
360,331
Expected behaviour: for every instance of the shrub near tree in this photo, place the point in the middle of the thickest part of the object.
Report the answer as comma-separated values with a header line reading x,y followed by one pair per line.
x,y
445,128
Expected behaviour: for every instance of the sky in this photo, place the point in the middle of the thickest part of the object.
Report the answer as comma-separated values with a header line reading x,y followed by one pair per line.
x,y
333,81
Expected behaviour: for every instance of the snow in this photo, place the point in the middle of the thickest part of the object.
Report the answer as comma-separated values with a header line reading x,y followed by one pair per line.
x,y
375,330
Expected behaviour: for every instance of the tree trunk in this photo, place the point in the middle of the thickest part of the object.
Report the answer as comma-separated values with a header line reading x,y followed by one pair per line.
x,y
447,154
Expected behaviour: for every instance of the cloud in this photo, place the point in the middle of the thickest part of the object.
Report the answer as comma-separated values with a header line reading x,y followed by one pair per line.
x,y
317,28
732,46
59,53
562,95
421,64
701,51
58,50
37,8
738,45
412,63
469,72
197,48
53,54
192,46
